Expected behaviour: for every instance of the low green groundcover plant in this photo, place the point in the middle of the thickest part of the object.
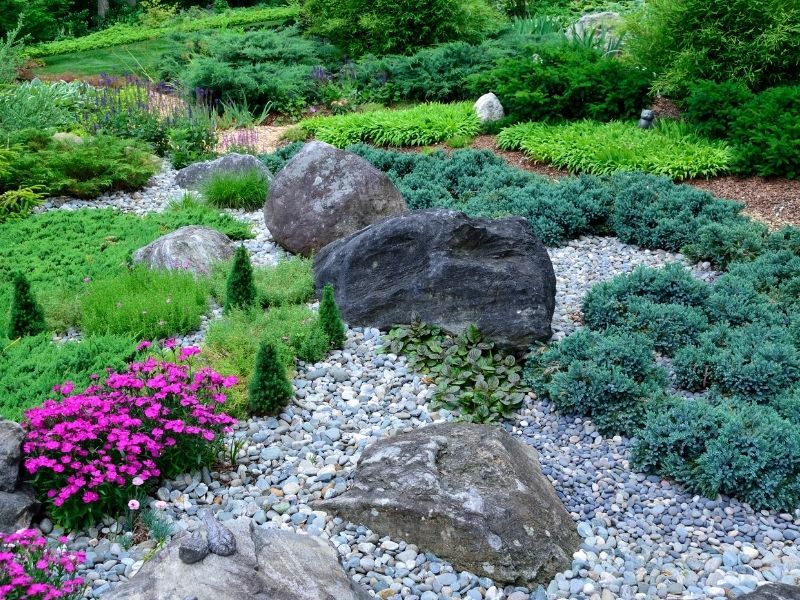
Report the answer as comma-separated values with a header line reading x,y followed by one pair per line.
x,y
246,190
145,303
669,149
31,366
291,281
734,341
88,452
419,126
473,379
62,252
232,343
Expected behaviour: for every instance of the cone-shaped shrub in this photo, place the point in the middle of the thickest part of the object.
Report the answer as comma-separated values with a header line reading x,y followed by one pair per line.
x,y
331,319
240,291
27,317
269,389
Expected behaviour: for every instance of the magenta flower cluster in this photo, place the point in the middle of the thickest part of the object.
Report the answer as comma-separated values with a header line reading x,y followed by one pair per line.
x,y
30,569
157,418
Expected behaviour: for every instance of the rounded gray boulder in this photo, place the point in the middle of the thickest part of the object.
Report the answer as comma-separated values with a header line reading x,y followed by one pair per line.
x,y
324,194
194,176
190,248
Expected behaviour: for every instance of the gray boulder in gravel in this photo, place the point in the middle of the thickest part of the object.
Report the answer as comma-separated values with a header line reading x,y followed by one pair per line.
x,y
774,591
448,269
489,109
269,564
471,494
194,176
190,248
324,194
11,437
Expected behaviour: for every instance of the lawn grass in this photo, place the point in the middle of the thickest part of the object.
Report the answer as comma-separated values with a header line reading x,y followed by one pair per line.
x,y
139,59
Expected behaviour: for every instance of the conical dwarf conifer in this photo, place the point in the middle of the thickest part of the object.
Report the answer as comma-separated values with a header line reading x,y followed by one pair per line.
x,y
269,389
27,317
331,319
241,290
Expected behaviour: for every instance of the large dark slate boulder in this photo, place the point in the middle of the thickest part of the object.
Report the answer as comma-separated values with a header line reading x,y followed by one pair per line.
x,y
17,509
267,565
11,437
324,194
194,176
774,591
471,494
190,248
450,270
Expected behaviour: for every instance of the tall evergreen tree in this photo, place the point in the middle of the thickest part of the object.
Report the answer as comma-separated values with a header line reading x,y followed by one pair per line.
x,y
269,389
241,290
27,317
331,319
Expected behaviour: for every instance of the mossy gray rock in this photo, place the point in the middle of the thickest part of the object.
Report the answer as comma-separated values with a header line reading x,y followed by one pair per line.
x,y
194,176
191,248
471,494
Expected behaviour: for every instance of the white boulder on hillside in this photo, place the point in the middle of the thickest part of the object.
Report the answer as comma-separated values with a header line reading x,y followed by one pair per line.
x,y
489,109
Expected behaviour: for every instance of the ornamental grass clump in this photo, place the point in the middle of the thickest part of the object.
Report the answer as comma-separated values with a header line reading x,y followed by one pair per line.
x,y
27,317
31,569
86,452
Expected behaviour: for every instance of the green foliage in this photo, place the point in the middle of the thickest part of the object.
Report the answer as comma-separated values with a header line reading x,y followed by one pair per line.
x,y
126,34
565,81
384,26
741,450
247,190
722,244
11,54
86,169
188,211
31,366
27,317
765,132
419,126
472,378
16,204
269,389
147,304
711,107
233,341
291,281
601,148
62,251
610,378
240,290
755,42
330,318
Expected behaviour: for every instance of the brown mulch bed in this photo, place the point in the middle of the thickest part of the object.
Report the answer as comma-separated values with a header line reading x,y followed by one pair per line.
x,y
774,201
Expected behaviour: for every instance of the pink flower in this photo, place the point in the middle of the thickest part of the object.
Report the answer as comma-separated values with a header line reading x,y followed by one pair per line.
x,y
133,504
143,345
137,481
160,505
170,343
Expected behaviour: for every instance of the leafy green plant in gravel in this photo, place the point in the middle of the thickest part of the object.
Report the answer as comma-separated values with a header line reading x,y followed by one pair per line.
x,y
472,378
233,341
62,251
148,304
17,204
601,148
330,319
269,389
247,190
291,281
27,317
611,378
418,126
83,170
31,366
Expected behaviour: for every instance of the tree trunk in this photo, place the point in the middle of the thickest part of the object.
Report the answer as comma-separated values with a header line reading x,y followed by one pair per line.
x,y
102,9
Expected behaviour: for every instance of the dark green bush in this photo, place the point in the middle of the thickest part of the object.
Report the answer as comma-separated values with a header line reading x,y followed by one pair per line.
x,y
565,81
668,326
721,244
27,317
269,389
610,378
31,366
385,26
755,42
741,450
330,318
240,290
712,107
766,131
83,170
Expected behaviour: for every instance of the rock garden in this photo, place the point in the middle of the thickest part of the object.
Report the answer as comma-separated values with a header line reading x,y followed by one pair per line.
x,y
467,324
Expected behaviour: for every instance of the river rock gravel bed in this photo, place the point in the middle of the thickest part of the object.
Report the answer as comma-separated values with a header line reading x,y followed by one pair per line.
x,y
643,537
